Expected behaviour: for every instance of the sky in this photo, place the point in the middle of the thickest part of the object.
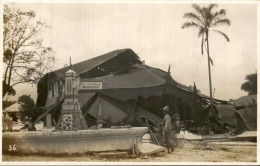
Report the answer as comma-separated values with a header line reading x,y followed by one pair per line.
x,y
153,31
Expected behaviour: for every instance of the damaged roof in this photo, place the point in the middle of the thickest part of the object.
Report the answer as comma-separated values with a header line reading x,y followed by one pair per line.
x,y
86,65
136,76
226,113
99,66
249,116
245,100
225,110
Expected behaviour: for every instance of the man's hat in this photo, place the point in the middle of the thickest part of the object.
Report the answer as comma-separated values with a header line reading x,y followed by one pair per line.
x,y
166,108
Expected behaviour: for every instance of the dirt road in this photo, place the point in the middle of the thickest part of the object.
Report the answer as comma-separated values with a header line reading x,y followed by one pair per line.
x,y
185,152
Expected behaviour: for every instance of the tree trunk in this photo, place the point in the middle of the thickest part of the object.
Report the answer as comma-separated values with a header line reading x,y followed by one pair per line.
x,y
4,82
7,88
4,89
10,70
210,86
6,71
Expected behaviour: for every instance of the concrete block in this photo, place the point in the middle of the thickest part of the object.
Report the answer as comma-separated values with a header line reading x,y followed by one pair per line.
x,y
150,149
80,141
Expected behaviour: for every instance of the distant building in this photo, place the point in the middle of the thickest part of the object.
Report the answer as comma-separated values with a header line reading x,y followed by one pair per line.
x,y
13,111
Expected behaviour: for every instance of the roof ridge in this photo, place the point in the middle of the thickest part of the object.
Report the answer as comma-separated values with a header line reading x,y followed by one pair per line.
x,y
121,50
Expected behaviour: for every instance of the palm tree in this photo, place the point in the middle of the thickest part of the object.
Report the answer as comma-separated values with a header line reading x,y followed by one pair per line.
x,y
206,20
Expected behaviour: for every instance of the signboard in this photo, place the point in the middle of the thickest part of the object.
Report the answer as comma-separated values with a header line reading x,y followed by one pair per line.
x,y
76,82
90,85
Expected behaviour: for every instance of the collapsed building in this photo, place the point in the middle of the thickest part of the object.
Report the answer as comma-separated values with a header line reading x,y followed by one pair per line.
x,y
246,114
129,92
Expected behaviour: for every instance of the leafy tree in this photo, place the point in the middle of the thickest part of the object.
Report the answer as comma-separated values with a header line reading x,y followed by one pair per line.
x,y
205,19
250,85
25,58
28,108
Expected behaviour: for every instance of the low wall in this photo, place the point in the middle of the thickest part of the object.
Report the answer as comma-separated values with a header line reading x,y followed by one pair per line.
x,y
72,141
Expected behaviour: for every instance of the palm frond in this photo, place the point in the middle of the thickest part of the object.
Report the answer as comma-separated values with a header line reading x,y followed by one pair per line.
x,y
224,21
193,16
220,13
223,34
191,24
208,14
199,10
217,15
211,6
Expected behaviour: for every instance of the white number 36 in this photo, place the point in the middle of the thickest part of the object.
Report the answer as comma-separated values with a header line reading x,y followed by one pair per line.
x,y
12,148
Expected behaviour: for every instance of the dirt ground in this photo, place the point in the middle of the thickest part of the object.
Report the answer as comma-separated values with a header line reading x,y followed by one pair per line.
x,y
194,151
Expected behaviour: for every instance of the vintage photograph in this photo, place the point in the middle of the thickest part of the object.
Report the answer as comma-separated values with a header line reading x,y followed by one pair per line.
x,y
129,82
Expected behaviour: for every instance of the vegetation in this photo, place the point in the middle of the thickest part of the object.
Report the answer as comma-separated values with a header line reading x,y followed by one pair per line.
x,y
25,58
205,19
250,85
28,108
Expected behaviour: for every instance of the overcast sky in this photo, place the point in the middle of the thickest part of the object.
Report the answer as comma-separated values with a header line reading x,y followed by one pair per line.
x,y
153,31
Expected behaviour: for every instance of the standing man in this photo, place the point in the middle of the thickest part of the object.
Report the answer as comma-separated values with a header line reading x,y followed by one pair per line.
x,y
9,121
177,122
167,128
4,122
11,124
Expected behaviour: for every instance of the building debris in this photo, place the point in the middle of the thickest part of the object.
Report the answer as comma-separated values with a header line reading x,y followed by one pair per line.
x,y
148,149
246,136
246,119
188,136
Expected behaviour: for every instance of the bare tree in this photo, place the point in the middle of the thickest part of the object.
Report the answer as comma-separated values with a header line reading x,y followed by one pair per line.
x,y
25,57
206,20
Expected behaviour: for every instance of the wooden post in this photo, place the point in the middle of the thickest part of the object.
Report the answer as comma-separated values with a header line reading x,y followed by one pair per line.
x,y
48,121
133,146
136,146
100,115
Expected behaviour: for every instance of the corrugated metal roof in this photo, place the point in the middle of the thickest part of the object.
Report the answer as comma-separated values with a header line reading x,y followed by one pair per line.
x,y
227,113
86,65
245,100
249,115
225,110
139,76
111,113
